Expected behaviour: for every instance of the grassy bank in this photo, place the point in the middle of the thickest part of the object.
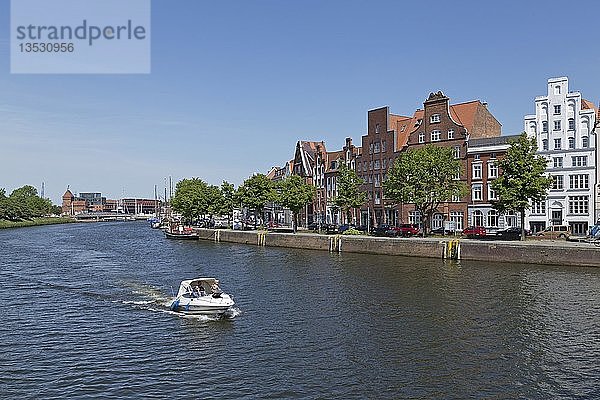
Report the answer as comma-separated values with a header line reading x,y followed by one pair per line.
x,y
35,222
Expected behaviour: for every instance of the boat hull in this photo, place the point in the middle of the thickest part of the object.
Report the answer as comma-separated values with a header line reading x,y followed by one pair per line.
x,y
182,236
205,305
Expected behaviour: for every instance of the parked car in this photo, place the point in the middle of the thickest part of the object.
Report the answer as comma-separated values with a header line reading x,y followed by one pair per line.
x,y
408,230
381,230
511,233
220,223
441,231
556,232
343,228
474,231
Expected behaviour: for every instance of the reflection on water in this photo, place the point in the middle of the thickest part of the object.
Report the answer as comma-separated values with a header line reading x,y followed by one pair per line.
x,y
86,314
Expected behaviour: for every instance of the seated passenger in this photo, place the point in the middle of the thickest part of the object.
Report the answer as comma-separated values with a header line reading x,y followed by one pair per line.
x,y
201,291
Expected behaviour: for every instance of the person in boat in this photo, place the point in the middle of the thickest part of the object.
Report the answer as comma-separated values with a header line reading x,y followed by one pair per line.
x,y
201,291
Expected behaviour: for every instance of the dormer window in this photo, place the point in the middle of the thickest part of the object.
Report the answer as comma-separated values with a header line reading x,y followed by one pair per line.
x,y
434,118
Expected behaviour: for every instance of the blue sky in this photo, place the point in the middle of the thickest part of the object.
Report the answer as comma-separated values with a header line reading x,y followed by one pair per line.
x,y
235,84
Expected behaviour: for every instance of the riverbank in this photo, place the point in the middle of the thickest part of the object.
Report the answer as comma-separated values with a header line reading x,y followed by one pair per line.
x,y
548,252
36,222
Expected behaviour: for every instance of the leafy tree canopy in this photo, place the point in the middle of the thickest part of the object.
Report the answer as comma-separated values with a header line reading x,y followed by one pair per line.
x,y
256,191
522,178
294,194
425,177
191,198
349,190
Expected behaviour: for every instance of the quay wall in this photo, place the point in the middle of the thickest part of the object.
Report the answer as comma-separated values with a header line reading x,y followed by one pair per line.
x,y
536,252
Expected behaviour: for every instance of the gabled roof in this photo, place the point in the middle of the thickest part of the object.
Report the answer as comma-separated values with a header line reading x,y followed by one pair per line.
x,y
464,113
272,172
587,105
332,156
308,150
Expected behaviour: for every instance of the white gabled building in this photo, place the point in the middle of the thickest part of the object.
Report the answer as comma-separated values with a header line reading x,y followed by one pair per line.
x,y
564,128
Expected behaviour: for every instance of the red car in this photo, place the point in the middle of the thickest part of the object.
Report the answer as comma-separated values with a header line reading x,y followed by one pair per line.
x,y
474,231
403,230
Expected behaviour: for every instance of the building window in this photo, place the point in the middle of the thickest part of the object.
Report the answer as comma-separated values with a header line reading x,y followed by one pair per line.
x,y
437,221
571,124
492,169
457,218
376,147
436,136
477,171
476,192
580,181
421,137
383,146
376,180
557,182
585,142
544,126
377,197
557,144
492,218
414,217
557,125
558,162
376,128
578,205
492,195
557,110
579,161
371,148
434,118
477,218
538,207
376,166
545,144
384,161
571,142
456,151
450,134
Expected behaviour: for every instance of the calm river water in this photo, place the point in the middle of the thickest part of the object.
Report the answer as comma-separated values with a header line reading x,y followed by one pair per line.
x,y
84,315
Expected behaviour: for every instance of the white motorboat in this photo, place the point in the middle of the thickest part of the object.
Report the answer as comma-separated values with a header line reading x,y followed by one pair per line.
x,y
201,296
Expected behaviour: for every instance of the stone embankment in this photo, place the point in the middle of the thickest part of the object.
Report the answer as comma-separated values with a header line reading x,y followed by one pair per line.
x,y
530,252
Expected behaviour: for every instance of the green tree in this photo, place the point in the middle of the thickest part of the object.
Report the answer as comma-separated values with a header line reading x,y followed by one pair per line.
x,y
425,177
229,199
214,200
349,194
23,203
522,178
191,198
255,192
294,194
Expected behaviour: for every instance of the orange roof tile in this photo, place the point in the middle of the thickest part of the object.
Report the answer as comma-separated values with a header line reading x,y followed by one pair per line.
x,y
587,105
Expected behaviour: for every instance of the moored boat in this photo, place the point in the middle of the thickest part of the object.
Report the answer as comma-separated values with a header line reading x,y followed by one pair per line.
x,y
201,296
180,232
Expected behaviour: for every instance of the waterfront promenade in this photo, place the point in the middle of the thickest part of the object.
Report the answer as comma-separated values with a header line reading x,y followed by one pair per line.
x,y
548,252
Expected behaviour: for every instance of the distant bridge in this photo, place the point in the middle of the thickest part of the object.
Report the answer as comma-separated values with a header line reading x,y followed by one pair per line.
x,y
109,216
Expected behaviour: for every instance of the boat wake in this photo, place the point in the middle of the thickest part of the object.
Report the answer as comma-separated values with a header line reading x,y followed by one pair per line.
x,y
150,298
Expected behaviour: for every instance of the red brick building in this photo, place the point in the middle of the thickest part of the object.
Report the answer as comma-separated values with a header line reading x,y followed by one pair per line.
x,y
438,123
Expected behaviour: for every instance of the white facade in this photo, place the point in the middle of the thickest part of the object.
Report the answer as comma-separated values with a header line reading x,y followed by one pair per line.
x,y
563,126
